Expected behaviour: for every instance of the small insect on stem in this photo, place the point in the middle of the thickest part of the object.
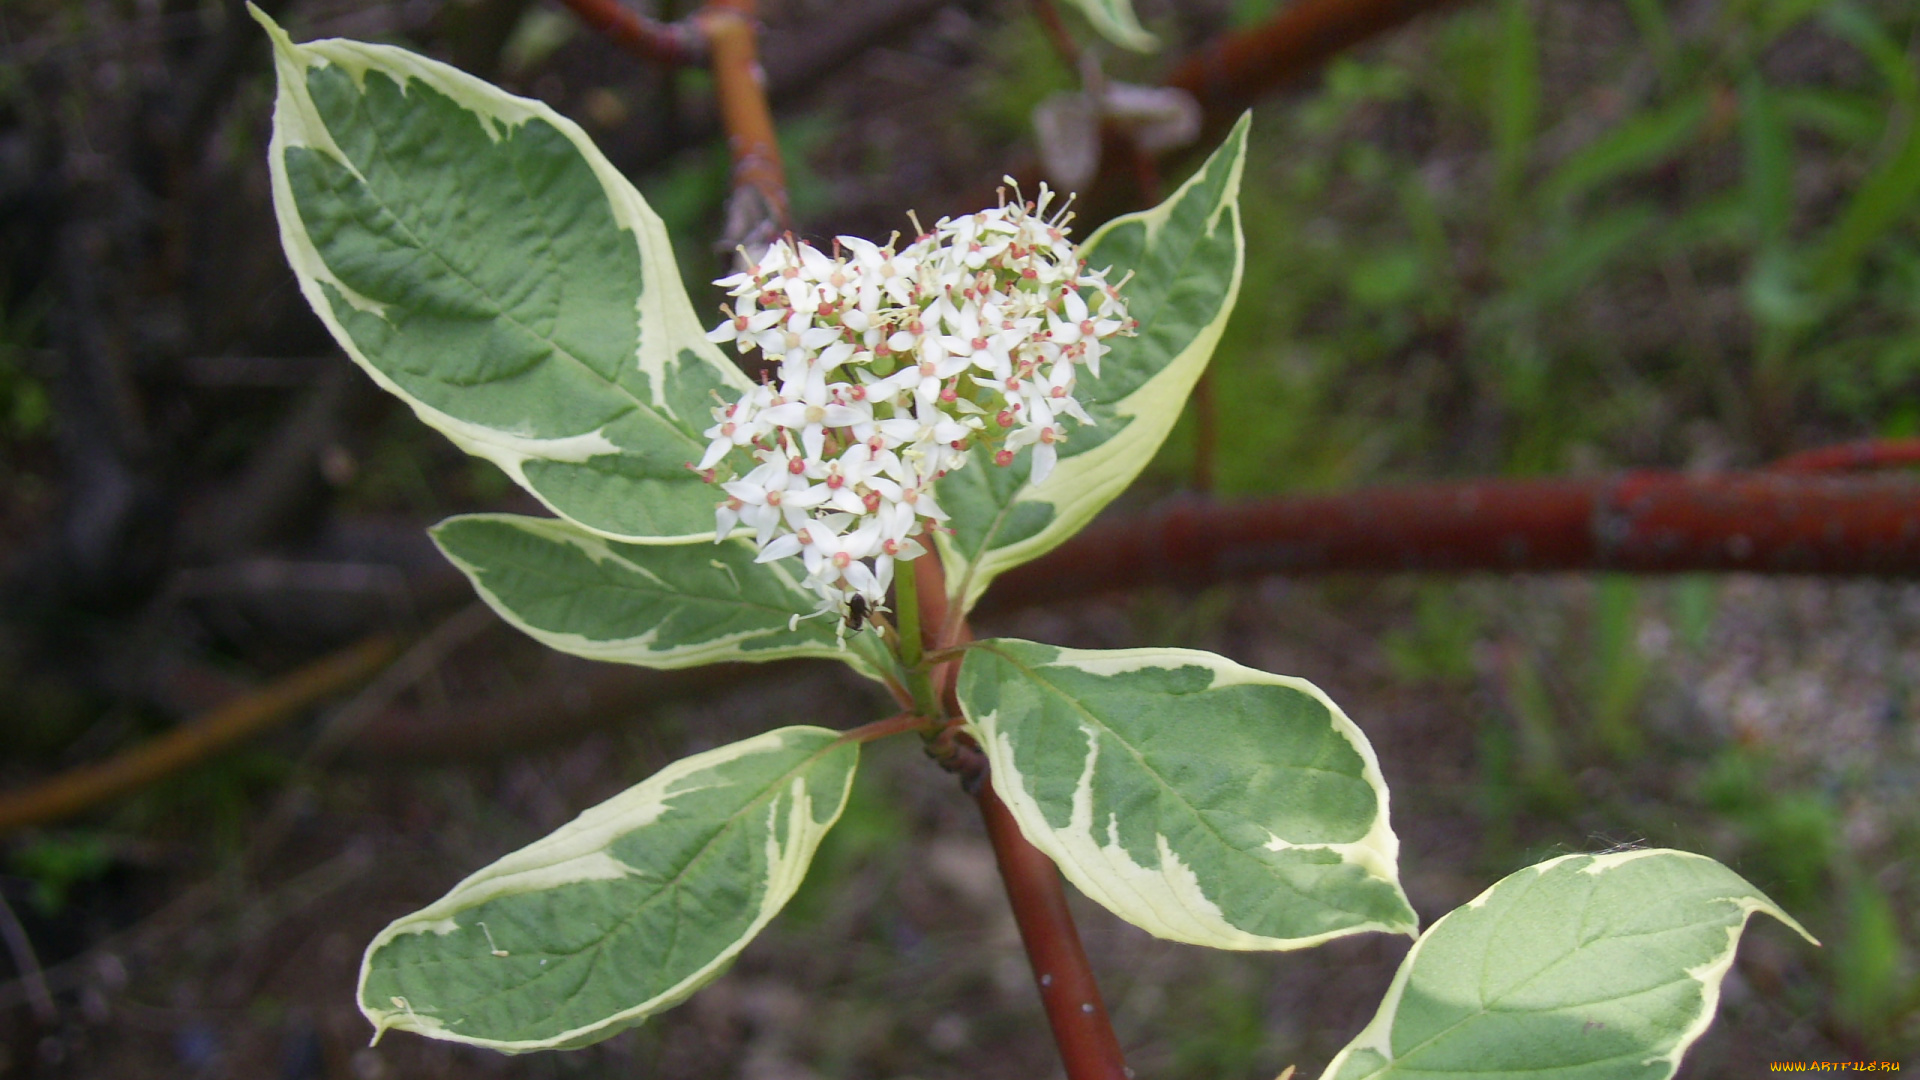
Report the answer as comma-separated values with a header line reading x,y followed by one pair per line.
x,y
856,613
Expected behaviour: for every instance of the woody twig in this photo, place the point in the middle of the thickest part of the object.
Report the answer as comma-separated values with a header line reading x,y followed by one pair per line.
x,y
668,44
1075,1011
724,34
1227,74
757,211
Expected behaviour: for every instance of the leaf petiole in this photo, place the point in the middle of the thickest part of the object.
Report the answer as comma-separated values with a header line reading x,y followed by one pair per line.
x,y
898,724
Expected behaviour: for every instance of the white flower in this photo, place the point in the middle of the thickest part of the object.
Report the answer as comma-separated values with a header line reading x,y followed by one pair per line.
x,y
767,496
890,366
818,409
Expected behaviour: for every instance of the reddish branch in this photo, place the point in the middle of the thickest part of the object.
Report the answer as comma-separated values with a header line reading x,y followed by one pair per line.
x,y
724,34
1647,522
1229,73
1852,457
1068,992
1075,1011
670,44
759,211
1057,33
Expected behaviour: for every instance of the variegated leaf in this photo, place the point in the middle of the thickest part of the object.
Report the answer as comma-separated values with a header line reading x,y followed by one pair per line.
x,y
484,262
1115,21
1585,967
1186,257
620,914
657,606
1200,800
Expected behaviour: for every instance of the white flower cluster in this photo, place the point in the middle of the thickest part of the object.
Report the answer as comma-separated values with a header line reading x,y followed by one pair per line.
x,y
891,366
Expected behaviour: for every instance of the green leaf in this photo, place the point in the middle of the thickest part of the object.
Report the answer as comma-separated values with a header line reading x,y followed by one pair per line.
x,y
1186,257
1885,52
1642,141
1768,173
1656,30
620,914
1776,17
1888,194
1883,200
1515,105
1838,114
483,262
1871,954
657,606
1586,966
1200,800
1582,254
1115,21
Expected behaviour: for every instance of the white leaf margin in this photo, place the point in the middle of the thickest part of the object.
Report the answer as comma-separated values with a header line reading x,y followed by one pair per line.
x,y
1168,901
663,312
1081,485
576,852
1377,1036
865,654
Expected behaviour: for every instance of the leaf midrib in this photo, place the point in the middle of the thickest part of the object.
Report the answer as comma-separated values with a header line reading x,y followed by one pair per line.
x,y
667,596
662,593
1486,1004
406,225
597,948
1158,779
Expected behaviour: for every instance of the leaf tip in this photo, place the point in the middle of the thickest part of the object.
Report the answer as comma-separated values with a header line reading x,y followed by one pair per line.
x,y
1792,924
380,1019
273,29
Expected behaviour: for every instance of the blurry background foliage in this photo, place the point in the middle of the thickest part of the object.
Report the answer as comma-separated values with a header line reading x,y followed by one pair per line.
x,y
1551,238
1514,238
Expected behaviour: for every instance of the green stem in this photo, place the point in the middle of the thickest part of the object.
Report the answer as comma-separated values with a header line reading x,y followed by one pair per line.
x,y
906,606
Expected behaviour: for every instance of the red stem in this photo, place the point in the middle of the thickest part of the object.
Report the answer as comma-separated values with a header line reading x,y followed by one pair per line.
x,y
1646,522
897,724
759,210
1075,1011
725,34
1088,1047
670,44
1058,34
1846,457
1238,67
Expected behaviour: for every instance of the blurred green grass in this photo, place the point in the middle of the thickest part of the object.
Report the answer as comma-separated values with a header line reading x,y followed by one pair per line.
x,y
1533,239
